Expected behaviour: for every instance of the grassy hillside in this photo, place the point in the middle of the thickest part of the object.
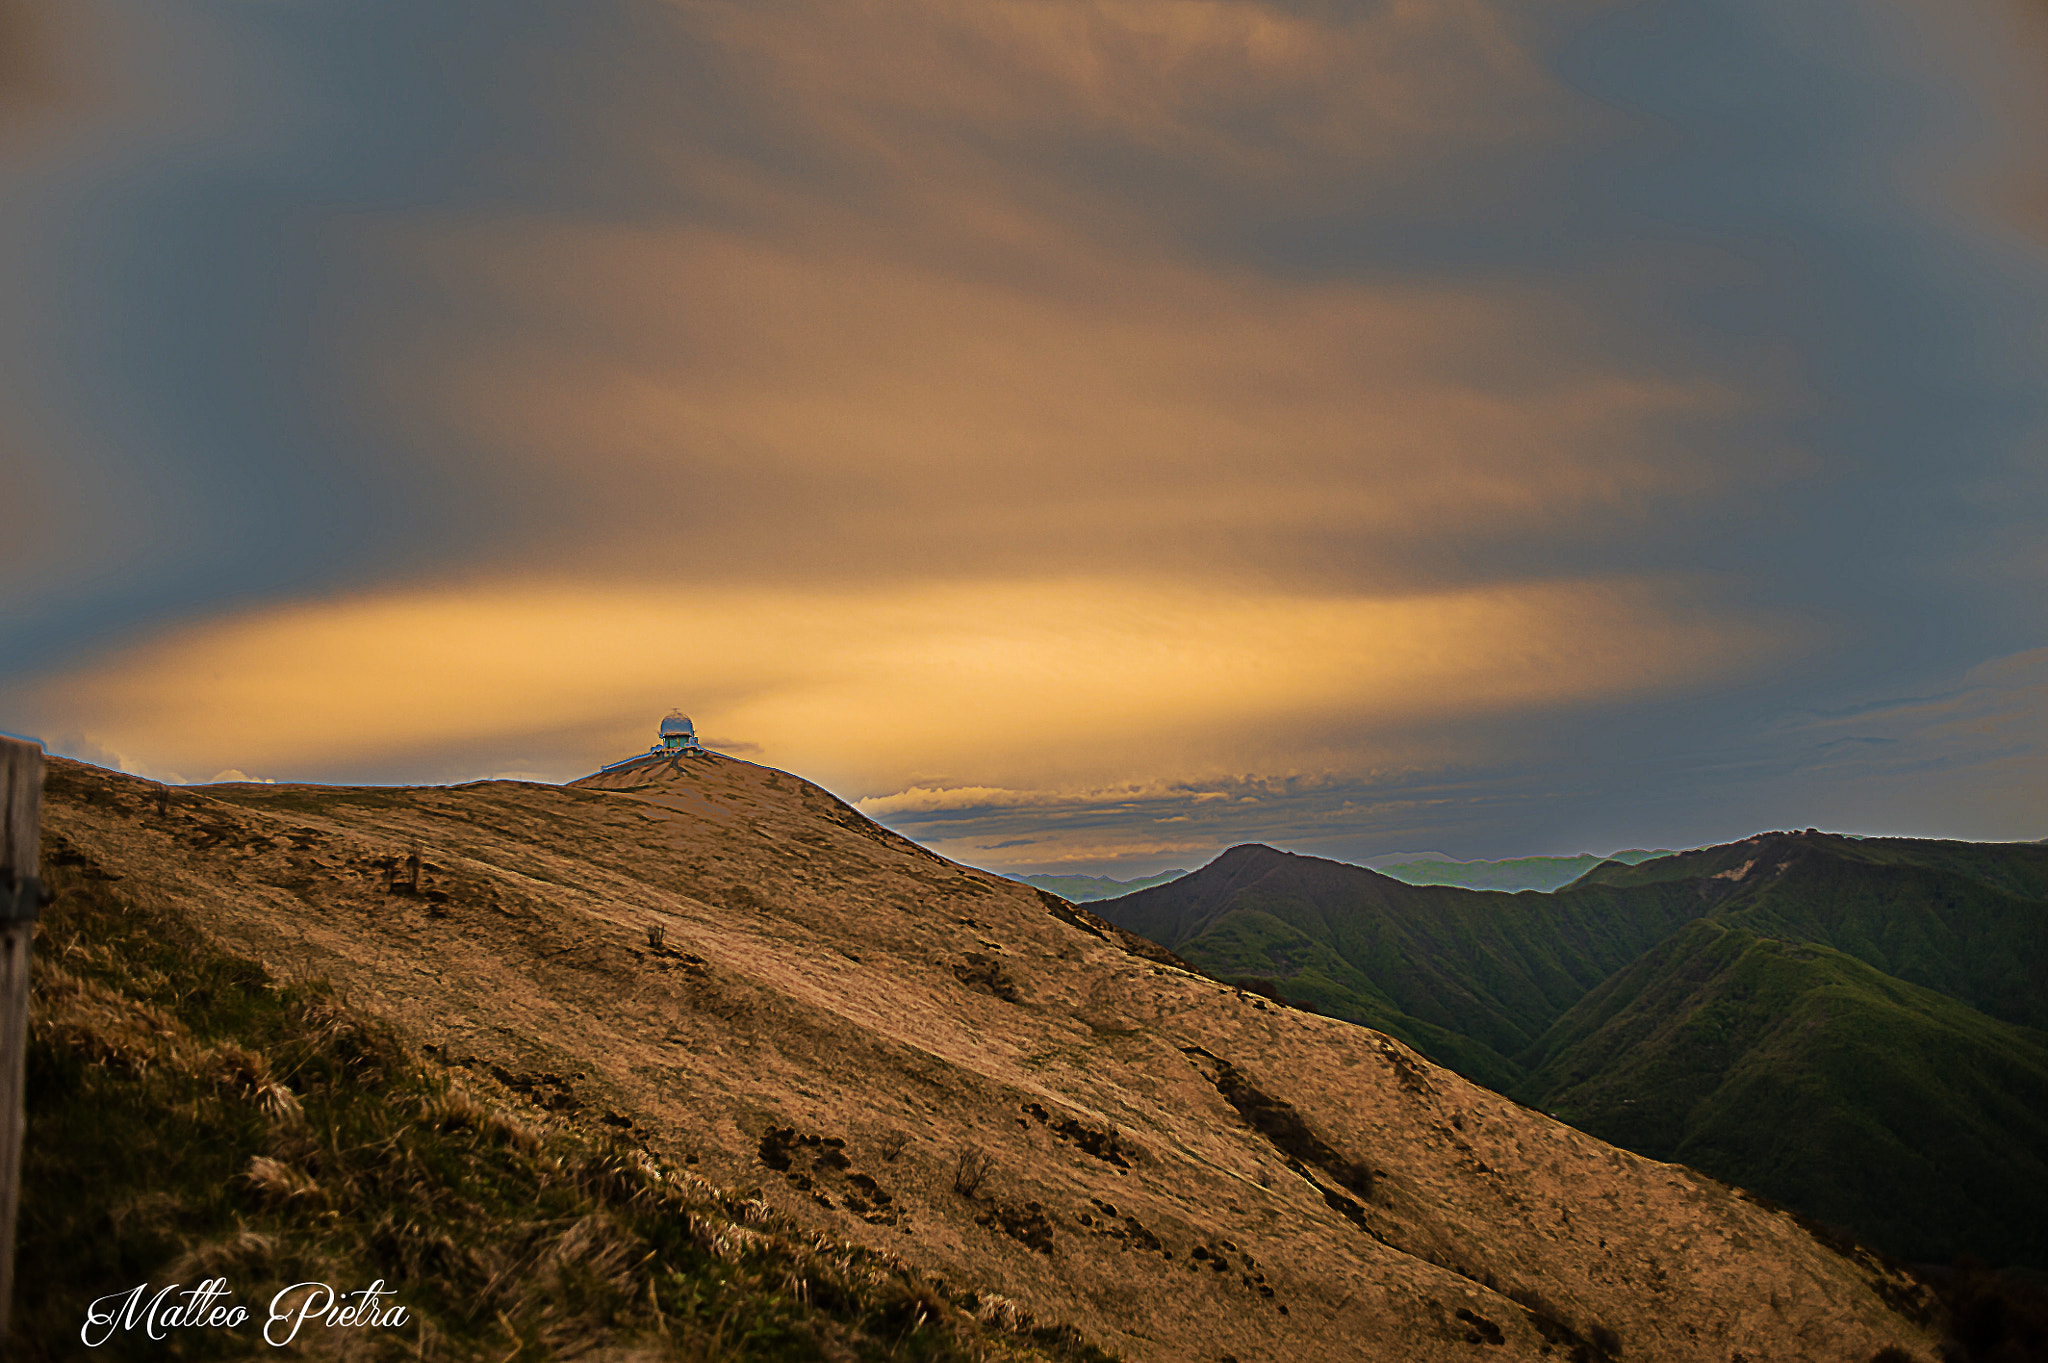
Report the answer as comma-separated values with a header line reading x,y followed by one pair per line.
x,y
611,1002
1796,1070
191,1116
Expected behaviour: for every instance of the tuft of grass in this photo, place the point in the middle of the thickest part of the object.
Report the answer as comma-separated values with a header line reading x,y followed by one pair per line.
x,y
971,1169
191,1117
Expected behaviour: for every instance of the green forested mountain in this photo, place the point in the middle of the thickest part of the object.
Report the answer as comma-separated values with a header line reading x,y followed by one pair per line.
x,y
1967,919
1851,1026
1806,1075
1471,978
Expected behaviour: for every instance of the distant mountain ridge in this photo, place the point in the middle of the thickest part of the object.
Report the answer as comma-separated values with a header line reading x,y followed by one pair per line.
x,y
1470,977
1683,1006
1083,889
1413,868
1513,873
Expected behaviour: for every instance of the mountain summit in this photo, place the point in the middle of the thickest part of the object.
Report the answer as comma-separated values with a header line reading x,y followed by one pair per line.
x,y
982,1080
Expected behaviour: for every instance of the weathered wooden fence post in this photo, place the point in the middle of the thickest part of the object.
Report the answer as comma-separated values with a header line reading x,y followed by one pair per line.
x,y
21,895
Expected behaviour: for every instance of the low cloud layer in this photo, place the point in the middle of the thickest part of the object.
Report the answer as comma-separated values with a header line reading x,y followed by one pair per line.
x,y
1969,763
1063,682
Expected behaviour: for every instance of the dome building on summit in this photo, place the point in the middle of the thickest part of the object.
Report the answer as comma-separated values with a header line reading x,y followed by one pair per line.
x,y
676,734
677,737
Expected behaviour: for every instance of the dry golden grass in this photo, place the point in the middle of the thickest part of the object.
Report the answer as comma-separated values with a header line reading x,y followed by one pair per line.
x,y
814,1029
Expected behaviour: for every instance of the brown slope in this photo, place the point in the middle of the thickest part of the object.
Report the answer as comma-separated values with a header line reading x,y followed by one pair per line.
x,y
1164,1153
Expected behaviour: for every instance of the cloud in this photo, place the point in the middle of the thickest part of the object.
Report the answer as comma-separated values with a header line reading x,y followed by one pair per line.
x,y
232,774
1970,760
1128,420
1065,683
917,328
33,80
1145,828
1256,87
74,744
930,800
926,799
711,407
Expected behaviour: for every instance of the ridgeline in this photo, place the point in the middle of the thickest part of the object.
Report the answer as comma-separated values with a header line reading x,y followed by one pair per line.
x,y
1849,1026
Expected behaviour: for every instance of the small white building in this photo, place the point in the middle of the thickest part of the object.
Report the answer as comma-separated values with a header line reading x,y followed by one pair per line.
x,y
677,737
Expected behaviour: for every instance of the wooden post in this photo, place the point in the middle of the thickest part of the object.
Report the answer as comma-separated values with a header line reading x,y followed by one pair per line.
x,y
21,896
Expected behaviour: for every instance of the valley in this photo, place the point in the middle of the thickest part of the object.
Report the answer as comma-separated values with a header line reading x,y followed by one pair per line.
x,y
1850,1026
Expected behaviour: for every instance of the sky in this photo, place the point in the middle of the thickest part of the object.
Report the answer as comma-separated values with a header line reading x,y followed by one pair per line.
x,y
1087,434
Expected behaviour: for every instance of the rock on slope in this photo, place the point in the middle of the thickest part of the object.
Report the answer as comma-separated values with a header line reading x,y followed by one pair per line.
x,y
976,1077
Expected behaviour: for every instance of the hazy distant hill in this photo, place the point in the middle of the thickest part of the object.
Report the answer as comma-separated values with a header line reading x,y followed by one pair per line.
x,y
1082,889
1519,990
636,1068
1519,873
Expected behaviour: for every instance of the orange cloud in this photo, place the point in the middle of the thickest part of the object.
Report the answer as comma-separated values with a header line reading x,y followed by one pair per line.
x,y
1052,684
1255,87
927,344
816,412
